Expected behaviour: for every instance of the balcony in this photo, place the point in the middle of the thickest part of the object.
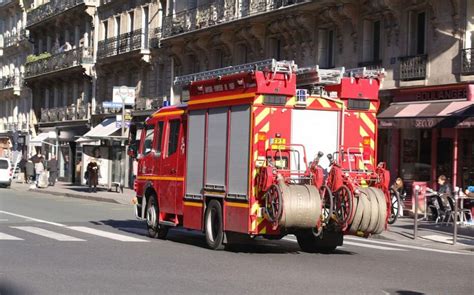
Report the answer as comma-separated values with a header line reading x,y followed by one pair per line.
x,y
413,67
15,39
371,65
61,61
5,2
121,44
14,82
53,8
219,12
61,114
467,61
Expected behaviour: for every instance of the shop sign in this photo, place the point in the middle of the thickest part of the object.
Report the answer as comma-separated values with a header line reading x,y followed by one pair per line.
x,y
124,94
459,92
424,123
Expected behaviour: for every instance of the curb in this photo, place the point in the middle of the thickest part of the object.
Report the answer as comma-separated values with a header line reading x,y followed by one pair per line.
x,y
78,196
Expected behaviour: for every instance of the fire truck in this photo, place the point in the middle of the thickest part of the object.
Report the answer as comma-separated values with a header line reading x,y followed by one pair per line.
x,y
233,160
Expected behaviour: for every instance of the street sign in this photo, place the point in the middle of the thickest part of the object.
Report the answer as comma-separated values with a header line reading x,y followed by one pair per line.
x,y
118,124
112,105
124,94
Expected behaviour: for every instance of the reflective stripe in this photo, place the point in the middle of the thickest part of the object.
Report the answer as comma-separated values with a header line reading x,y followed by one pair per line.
x,y
168,178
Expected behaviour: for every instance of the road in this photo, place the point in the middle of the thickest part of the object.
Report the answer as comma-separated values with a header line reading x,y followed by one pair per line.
x,y
57,245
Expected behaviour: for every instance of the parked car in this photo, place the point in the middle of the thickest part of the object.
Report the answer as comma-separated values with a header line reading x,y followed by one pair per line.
x,y
5,172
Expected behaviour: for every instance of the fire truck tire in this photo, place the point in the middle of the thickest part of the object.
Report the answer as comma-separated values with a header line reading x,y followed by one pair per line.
x,y
367,212
213,225
155,230
311,243
357,212
382,216
374,213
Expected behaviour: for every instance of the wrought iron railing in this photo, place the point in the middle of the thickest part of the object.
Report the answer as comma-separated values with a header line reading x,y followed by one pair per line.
x,y
60,61
13,39
371,65
120,44
467,62
68,113
413,67
218,12
5,2
11,81
54,7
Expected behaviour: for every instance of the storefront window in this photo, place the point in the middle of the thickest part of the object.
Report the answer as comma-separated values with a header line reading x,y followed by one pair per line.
x,y
415,157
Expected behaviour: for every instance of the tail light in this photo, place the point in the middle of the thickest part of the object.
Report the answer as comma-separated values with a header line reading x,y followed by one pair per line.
x,y
366,148
262,138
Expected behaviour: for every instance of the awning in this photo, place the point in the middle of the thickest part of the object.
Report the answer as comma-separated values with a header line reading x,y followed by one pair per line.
x,y
440,114
102,131
42,137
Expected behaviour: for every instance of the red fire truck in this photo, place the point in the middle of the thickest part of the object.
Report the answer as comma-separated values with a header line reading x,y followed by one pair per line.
x,y
232,161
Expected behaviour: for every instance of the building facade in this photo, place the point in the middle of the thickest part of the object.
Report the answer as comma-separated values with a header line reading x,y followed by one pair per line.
x,y
60,74
15,98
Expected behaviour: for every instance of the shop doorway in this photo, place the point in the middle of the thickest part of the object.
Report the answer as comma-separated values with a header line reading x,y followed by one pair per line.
x,y
444,158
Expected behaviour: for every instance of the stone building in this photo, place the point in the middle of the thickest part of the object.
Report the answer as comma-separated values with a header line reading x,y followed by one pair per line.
x,y
60,74
15,102
424,45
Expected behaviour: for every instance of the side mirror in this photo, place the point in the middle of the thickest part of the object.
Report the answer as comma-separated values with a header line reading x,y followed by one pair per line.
x,y
320,154
132,151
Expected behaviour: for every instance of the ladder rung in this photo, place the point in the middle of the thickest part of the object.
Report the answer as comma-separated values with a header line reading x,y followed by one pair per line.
x,y
363,72
315,75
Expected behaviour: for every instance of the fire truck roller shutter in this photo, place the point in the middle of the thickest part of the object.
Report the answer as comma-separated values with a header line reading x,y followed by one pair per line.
x,y
239,152
317,131
216,149
195,157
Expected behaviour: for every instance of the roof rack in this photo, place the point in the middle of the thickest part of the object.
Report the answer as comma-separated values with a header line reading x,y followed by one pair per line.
x,y
363,72
272,65
316,76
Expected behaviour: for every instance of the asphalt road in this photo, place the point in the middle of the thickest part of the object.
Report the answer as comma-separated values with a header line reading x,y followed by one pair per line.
x,y
56,245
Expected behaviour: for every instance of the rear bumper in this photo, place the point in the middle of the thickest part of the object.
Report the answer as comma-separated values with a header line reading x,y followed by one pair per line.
x,y
5,181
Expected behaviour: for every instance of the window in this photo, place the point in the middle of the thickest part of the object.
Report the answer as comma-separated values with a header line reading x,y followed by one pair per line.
x,y
242,54
417,32
276,48
3,164
173,136
158,138
326,40
105,26
145,26
131,20
371,44
148,142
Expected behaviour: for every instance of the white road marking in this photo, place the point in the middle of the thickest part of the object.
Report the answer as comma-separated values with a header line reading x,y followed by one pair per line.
x,y
33,219
105,234
9,238
447,239
404,246
48,234
293,239
3,219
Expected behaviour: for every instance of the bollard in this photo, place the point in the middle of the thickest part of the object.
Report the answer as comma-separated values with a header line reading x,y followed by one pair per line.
x,y
455,219
415,226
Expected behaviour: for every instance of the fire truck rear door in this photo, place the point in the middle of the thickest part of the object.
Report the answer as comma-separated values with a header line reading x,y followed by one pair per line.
x,y
317,130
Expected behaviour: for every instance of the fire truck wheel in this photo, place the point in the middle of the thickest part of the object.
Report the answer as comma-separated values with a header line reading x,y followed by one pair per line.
x,y
311,243
155,230
374,213
213,226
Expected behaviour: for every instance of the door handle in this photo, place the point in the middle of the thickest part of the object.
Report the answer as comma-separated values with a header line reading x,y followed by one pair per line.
x,y
173,171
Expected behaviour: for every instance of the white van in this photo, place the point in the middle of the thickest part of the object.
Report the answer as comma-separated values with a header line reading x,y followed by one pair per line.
x,y
5,172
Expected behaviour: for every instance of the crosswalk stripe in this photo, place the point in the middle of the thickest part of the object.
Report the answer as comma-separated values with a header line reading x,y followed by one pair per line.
x,y
48,234
7,237
105,234
372,246
403,246
33,219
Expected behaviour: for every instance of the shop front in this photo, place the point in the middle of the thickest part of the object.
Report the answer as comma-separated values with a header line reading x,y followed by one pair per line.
x,y
430,132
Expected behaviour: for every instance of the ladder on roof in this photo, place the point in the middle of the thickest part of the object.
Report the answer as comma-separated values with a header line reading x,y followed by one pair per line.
x,y
272,65
363,72
316,76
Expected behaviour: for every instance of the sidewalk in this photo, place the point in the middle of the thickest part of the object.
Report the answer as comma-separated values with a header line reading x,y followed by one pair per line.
x,y
430,233
82,192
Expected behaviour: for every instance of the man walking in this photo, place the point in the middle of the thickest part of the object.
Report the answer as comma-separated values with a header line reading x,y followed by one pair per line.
x,y
53,170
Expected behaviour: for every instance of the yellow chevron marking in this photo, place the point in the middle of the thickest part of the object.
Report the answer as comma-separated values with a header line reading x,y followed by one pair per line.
x,y
362,132
254,225
372,107
259,99
263,114
310,100
368,122
263,231
324,103
291,102
265,128
254,209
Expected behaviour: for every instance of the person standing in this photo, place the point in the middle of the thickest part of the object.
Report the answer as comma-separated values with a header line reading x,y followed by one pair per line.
x,y
93,175
39,169
22,166
29,171
53,170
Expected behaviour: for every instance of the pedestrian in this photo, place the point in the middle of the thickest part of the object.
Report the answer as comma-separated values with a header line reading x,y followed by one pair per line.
x,y
29,171
93,175
39,169
399,188
53,170
22,167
